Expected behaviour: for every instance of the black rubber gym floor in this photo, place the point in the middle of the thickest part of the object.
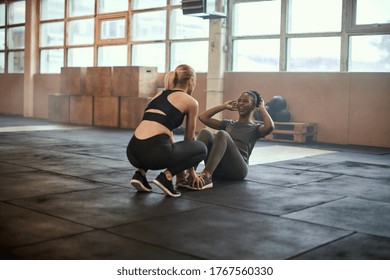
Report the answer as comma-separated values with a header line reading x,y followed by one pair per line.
x,y
65,194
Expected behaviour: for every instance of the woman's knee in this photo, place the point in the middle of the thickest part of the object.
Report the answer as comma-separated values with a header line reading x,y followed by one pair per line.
x,y
198,153
202,148
222,134
204,135
198,148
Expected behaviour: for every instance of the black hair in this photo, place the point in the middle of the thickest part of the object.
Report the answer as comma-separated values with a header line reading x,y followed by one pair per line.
x,y
256,97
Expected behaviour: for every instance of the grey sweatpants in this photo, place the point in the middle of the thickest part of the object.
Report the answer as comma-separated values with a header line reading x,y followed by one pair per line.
x,y
223,160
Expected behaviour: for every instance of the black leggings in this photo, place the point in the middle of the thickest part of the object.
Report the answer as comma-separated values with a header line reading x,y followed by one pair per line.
x,y
158,153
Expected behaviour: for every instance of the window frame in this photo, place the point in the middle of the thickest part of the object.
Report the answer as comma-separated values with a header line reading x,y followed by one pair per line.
x,y
107,17
127,15
67,39
7,50
359,28
348,28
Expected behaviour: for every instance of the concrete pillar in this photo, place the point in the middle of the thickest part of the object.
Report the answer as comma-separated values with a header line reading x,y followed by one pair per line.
x,y
217,61
30,55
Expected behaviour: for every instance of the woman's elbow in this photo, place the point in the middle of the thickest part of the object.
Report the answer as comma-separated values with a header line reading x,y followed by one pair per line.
x,y
271,128
265,130
201,118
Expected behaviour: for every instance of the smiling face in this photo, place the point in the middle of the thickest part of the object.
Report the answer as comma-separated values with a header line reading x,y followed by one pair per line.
x,y
245,104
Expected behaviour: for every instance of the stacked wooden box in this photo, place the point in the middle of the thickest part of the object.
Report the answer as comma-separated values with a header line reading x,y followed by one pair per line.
x,y
103,96
293,132
71,85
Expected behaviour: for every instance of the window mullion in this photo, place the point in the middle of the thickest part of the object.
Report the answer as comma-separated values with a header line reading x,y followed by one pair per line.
x,y
347,18
283,39
229,30
65,50
167,40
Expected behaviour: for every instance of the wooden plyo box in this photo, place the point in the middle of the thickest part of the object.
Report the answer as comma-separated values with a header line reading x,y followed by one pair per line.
x,y
132,110
293,132
98,81
58,107
134,81
106,111
81,109
72,80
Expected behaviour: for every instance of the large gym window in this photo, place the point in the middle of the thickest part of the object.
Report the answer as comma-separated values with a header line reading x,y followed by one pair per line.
x,y
110,6
369,41
149,54
147,4
310,35
2,14
120,33
313,54
80,57
81,32
12,34
369,53
112,30
149,26
187,27
192,53
52,34
189,41
52,9
112,55
256,36
257,18
78,8
51,60
308,16
256,55
372,12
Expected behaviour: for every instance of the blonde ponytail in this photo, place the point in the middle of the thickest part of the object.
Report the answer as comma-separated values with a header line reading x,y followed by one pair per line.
x,y
183,73
169,80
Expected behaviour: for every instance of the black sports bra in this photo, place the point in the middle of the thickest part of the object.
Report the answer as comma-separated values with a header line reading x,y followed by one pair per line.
x,y
172,119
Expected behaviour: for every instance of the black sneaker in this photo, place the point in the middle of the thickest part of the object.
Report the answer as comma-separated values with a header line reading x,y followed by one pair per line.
x,y
140,182
167,186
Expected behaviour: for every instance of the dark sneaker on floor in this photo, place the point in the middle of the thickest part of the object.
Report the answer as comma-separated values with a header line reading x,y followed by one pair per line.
x,y
167,186
140,182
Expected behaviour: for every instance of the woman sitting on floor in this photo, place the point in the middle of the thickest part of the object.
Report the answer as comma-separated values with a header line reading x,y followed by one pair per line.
x,y
230,148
